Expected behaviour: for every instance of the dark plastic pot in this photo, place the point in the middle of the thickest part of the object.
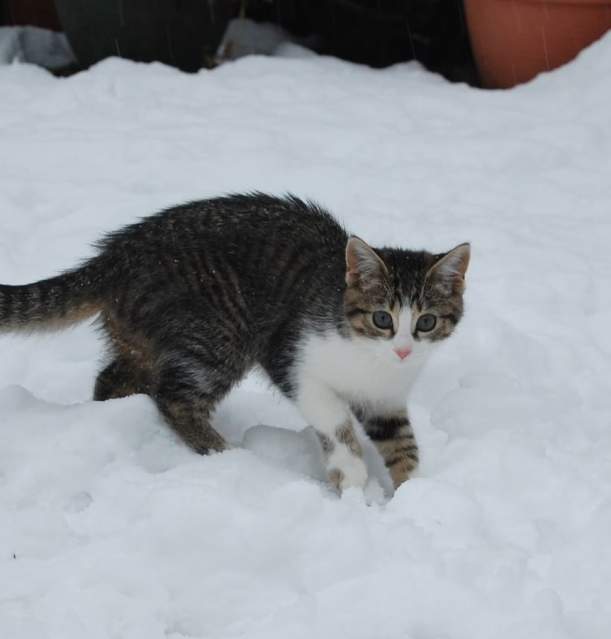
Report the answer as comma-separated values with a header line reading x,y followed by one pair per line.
x,y
383,32
181,33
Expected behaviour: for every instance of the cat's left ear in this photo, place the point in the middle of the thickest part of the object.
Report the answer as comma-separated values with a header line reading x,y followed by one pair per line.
x,y
449,271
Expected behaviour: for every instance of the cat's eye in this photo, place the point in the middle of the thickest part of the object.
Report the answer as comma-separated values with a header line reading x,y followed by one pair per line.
x,y
426,323
382,319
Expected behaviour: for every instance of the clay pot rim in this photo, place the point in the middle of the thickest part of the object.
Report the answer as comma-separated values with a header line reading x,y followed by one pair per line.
x,y
574,3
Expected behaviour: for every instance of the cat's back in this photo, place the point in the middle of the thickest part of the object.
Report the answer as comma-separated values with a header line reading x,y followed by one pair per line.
x,y
255,217
275,252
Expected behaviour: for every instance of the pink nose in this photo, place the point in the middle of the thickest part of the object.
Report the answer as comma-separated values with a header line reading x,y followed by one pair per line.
x,y
403,352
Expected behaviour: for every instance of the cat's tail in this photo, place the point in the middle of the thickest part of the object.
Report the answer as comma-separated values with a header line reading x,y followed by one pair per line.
x,y
54,303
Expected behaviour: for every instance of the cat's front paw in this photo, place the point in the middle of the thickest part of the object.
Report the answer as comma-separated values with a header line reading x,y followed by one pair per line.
x,y
352,475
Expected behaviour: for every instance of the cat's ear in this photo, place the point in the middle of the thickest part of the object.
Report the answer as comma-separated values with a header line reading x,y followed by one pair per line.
x,y
362,262
449,270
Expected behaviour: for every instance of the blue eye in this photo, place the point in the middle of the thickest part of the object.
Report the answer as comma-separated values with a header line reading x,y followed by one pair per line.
x,y
382,319
426,323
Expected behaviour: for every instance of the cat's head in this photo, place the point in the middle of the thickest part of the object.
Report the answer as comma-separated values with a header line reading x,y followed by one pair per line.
x,y
398,302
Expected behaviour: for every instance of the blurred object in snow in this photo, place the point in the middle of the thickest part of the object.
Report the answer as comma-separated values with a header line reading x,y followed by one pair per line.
x,y
37,46
247,37
293,50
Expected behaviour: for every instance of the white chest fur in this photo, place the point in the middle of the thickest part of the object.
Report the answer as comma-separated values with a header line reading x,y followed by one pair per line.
x,y
360,370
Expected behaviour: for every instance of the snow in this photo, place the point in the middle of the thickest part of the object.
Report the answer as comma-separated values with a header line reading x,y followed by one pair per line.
x,y
109,527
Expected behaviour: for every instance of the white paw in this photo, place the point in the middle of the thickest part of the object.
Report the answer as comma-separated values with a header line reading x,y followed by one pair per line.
x,y
354,474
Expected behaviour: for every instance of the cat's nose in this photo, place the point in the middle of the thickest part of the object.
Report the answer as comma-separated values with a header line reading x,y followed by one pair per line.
x,y
403,352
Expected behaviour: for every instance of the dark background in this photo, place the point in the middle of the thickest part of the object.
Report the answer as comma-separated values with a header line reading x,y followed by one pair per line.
x,y
373,32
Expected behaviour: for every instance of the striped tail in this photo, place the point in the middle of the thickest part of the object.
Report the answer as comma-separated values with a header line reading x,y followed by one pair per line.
x,y
51,304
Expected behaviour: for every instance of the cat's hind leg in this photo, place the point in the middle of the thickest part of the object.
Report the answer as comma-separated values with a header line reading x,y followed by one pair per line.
x,y
197,366
129,371
119,379
189,416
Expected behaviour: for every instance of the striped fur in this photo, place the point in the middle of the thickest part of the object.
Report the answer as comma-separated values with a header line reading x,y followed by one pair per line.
x,y
394,438
53,303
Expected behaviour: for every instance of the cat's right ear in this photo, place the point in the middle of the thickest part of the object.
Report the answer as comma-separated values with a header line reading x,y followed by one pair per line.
x,y
448,273
362,262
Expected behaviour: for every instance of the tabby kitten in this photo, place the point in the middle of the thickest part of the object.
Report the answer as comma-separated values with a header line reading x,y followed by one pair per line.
x,y
194,297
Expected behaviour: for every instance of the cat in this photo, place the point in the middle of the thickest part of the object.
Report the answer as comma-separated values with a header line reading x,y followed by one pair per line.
x,y
192,298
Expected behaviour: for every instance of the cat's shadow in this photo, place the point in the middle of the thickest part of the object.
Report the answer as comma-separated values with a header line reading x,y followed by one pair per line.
x,y
300,452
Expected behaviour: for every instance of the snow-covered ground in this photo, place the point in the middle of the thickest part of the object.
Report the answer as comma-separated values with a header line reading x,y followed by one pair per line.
x,y
110,528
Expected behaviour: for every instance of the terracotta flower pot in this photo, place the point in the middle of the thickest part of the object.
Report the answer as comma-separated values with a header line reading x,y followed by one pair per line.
x,y
514,40
35,13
